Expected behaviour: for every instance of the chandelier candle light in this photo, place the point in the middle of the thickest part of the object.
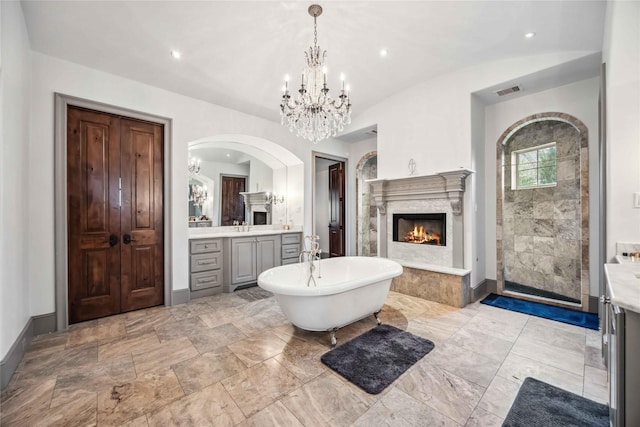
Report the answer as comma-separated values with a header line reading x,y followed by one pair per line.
x,y
313,114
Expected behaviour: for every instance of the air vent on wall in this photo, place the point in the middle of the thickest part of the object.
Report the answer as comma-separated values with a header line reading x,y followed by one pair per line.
x,y
508,90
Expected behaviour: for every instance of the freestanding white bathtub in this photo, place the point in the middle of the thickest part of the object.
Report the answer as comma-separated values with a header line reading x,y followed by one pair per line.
x,y
346,290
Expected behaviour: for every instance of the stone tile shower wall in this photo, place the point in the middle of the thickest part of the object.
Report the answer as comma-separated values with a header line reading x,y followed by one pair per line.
x,y
367,224
542,227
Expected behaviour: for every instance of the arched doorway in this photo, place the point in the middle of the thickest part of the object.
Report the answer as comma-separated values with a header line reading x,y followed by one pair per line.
x,y
366,226
542,210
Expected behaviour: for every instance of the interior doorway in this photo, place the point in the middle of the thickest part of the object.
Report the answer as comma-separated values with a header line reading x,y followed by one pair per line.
x,y
115,234
232,207
329,203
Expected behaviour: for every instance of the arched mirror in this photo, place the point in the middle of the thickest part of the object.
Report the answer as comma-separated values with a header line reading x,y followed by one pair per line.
x,y
235,183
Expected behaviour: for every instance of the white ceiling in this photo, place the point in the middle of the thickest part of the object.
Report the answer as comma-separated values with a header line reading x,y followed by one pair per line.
x,y
236,53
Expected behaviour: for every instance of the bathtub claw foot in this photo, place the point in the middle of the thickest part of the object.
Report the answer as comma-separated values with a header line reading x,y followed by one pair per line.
x,y
377,318
334,341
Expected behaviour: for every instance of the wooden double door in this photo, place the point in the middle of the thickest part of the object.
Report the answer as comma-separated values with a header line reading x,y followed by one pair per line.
x,y
336,210
115,214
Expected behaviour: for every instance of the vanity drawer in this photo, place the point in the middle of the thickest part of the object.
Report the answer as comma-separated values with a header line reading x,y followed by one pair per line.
x,y
286,261
290,238
290,251
205,262
206,280
199,246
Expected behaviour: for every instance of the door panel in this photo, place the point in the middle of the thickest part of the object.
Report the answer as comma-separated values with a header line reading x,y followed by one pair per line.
x,y
93,146
336,210
232,202
142,260
115,224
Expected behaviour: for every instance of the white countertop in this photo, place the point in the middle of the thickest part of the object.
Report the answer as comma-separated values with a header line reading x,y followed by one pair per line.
x,y
214,232
623,285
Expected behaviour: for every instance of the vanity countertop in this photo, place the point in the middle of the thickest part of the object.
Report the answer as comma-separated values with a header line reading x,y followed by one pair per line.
x,y
623,284
212,233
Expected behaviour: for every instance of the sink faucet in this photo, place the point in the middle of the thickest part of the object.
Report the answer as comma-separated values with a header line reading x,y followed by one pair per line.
x,y
313,254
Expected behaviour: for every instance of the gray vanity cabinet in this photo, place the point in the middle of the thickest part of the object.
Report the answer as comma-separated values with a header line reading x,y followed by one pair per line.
x,y
250,256
205,265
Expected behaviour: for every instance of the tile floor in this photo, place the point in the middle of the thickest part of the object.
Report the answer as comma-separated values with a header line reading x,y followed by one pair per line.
x,y
233,359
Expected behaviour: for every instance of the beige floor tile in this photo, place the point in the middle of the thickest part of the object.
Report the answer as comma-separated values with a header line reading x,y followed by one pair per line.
x,y
148,322
474,367
593,357
517,368
157,358
79,412
596,384
275,414
48,363
209,368
502,315
221,316
211,406
594,338
499,396
443,391
482,418
481,343
550,333
141,421
254,350
190,309
127,401
138,341
216,337
97,333
47,343
260,385
324,401
302,358
571,361
93,378
496,327
180,328
26,400
397,408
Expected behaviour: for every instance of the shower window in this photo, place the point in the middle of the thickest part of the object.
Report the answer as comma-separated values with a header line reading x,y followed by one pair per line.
x,y
534,167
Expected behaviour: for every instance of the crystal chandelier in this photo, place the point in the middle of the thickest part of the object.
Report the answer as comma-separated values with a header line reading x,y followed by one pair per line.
x,y
313,114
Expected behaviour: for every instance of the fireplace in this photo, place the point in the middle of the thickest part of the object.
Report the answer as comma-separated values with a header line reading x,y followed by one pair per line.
x,y
420,228
259,218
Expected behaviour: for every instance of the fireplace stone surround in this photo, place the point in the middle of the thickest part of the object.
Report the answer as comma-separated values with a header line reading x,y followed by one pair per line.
x,y
431,272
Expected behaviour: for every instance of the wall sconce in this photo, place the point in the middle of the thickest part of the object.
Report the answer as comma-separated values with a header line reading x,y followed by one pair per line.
x,y
272,199
193,166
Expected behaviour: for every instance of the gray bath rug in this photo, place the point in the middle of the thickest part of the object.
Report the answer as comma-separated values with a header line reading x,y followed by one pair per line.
x,y
539,404
376,358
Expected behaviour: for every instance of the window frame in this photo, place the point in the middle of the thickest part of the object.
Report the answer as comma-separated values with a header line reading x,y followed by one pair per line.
x,y
515,167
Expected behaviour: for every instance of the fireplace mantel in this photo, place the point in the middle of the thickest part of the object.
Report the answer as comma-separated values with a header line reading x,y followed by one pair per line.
x,y
444,185
440,192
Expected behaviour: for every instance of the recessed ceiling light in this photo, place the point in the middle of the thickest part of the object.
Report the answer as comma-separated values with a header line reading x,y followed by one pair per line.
x,y
228,155
384,52
175,54
530,35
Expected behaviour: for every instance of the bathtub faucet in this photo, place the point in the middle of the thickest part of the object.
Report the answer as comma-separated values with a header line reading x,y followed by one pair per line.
x,y
313,253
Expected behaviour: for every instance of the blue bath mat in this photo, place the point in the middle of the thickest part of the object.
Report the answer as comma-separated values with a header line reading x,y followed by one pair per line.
x,y
560,314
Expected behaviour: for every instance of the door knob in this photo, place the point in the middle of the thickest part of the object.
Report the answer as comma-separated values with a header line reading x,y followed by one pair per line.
x,y
126,239
113,240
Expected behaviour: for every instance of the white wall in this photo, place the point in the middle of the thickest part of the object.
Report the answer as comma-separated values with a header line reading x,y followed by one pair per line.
x,y
476,188
577,99
191,120
621,52
15,57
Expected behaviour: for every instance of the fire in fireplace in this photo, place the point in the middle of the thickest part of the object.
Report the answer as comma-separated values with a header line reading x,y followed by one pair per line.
x,y
421,228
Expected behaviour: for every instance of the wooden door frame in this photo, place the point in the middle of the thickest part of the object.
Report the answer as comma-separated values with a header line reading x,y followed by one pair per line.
x,y
63,101
347,218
